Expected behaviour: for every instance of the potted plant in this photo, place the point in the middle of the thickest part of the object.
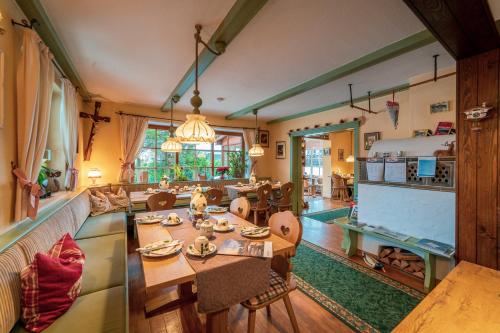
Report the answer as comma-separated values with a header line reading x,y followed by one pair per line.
x,y
222,170
179,173
236,165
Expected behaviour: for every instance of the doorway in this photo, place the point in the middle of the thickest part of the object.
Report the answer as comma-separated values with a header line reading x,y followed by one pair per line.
x,y
319,158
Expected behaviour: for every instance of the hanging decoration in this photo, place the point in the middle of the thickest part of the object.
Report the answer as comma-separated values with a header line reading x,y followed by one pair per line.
x,y
172,144
393,110
256,150
196,129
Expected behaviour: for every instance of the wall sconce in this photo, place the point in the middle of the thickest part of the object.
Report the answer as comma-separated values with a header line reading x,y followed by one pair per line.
x,y
93,174
477,114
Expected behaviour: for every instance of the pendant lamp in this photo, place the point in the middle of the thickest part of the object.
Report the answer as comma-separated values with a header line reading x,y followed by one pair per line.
x,y
256,150
172,145
196,129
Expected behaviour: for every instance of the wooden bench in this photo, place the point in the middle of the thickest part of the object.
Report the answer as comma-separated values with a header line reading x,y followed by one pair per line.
x,y
350,245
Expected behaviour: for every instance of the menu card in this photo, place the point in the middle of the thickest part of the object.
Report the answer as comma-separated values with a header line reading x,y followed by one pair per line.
x,y
246,248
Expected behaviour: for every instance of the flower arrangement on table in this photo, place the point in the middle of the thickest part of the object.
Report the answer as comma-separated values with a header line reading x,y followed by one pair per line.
x,y
222,170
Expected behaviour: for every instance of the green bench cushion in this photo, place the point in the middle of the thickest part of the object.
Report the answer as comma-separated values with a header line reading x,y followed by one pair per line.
x,y
103,311
105,262
103,225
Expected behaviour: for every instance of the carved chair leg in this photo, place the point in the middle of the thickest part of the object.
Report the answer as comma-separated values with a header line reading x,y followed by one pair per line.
x,y
291,314
268,310
255,217
251,321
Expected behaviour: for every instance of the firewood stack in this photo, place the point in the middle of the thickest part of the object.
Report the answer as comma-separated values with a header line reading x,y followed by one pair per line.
x,y
404,260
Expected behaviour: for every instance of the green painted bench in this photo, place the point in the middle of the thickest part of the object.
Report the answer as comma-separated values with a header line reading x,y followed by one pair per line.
x,y
350,245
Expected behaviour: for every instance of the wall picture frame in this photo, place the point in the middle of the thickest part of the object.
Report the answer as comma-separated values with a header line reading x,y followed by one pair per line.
x,y
440,107
280,150
340,154
370,138
264,138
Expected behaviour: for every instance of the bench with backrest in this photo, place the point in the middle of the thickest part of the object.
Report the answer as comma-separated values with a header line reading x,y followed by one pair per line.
x,y
103,302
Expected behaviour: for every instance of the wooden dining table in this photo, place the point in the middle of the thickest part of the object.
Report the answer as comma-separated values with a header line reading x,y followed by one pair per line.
x,y
139,197
245,189
218,277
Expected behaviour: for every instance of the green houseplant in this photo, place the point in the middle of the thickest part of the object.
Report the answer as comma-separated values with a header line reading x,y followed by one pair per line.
x,y
236,165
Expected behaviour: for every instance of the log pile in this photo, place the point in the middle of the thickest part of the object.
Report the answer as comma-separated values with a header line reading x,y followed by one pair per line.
x,y
403,260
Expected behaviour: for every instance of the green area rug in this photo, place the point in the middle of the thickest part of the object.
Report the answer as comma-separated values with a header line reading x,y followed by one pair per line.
x,y
329,215
364,299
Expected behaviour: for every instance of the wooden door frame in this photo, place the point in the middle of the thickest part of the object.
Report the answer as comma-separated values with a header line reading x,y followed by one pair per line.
x,y
296,163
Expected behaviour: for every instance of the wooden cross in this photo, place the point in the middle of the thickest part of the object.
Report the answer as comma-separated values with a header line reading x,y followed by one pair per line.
x,y
96,119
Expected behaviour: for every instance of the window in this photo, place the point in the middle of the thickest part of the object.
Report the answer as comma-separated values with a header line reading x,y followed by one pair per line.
x,y
314,162
194,162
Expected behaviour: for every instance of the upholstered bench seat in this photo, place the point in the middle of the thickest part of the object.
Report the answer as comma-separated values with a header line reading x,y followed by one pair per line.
x,y
103,311
102,225
105,262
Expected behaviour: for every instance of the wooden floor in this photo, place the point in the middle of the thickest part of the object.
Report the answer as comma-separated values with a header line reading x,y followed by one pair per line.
x,y
318,204
310,316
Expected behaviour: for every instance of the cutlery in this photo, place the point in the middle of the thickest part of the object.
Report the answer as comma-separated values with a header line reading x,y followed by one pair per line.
x,y
165,245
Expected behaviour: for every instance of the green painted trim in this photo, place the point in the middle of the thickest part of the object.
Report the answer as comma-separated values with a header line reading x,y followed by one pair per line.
x,y
337,105
237,18
296,163
390,51
34,10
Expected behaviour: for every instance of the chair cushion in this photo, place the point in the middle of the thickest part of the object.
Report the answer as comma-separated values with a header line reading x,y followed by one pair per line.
x,y
103,225
277,287
105,262
100,312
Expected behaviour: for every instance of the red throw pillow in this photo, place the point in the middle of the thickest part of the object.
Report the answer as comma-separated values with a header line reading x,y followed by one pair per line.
x,y
50,284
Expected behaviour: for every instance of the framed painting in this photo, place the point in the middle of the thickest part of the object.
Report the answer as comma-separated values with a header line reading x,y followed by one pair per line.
x,y
280,150
370,138
340,154
264,138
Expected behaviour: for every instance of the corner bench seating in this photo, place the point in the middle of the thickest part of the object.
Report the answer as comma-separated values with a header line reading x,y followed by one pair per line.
x,y
103,302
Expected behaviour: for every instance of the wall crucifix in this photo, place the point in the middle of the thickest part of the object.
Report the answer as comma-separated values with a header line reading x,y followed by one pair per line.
x,y
96,119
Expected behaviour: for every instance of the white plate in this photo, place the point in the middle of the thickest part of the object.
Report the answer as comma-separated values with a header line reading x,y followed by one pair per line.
x,y
166,251
191,250
166,222
216,210
256,235
221,229
145,220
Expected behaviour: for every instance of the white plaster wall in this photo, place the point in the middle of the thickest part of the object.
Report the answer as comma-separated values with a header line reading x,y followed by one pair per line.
x,y
417,213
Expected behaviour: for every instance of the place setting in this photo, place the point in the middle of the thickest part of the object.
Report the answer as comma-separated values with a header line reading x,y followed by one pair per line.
x,y
255,232
151,190
201,247
150,218
161,248
172,220
216,209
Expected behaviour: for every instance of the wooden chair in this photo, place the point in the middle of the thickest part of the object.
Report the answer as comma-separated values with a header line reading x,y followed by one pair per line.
x,y
284,200
262,205
214,196
288,227
240,207
161,201
339,188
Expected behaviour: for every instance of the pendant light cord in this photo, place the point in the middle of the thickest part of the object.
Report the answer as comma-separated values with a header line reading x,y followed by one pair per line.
x,y
256,127
171,117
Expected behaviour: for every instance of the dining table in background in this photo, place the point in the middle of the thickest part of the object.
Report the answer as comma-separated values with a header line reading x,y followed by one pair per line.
x,y
220,278
245,189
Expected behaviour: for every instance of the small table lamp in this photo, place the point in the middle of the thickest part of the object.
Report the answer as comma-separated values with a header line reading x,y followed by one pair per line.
x,y
93,174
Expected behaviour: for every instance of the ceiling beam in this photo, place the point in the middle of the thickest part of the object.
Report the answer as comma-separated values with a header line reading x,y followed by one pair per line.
x,y
34,10
390,51
463,27
329,107
237,18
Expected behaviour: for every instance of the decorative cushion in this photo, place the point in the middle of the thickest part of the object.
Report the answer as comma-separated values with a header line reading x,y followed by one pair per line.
x,y
277,287
120,199
51,283
99,204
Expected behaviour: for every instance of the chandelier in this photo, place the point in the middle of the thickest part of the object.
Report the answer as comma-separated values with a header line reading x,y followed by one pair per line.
x,y
172,145
256,150
196,129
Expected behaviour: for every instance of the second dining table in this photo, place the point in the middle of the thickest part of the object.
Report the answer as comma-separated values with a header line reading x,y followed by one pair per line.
x,y
221,280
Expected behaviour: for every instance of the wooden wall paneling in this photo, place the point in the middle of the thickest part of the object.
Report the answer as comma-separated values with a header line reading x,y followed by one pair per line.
x,y
466,161
487,162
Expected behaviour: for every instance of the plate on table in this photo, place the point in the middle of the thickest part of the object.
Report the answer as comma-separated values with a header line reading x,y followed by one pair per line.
x,y
161,248
150,219
151,192
191,250
171,223
255,232
216,210
229,228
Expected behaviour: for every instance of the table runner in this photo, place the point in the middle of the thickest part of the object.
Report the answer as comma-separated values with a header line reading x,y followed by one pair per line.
x,y
223,280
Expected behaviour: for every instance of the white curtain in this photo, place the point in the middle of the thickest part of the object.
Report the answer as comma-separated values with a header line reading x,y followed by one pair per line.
x,y
69,130
249,138
35,77
132,135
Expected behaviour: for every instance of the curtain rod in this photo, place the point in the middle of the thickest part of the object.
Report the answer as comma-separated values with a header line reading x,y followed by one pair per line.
x,y
30,25
180,121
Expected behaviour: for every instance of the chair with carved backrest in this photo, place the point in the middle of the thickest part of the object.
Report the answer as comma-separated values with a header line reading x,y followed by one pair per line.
x,y
262,204
240,207
161,201
339,188
288,227
284,201
214,196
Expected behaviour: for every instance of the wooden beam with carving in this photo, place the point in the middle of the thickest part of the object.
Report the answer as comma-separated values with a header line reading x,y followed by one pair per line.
x,y
96,119
464,27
